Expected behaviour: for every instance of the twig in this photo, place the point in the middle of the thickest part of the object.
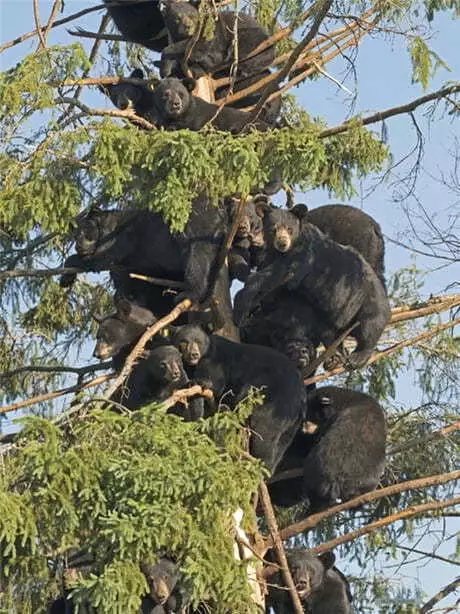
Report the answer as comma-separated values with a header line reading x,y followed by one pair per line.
x,y
409,512
38,25
56,369
391,350
331,78
450,588
98,36
55,10
59,22
382,115
278,545
57,393
431,555
139,347
313,520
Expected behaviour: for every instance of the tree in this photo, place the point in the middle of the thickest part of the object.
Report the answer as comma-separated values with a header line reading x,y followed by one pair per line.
x,y
126,487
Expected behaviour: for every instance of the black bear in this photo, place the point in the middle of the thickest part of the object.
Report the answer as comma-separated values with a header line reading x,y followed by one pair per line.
x,y
141,242
205,56
247,247
137,96
322,589
178,109
289,491
156,377
140,23
158,374
164,595
233,368
333,279
288,324
351,226
348,455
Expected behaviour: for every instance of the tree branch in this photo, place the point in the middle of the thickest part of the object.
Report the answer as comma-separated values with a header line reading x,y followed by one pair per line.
x,y
322,8
391,350
431,555
446,430
382,115
278,545
167,283
313,520
48,396
56,369
409,512
128,114
136,352
450,588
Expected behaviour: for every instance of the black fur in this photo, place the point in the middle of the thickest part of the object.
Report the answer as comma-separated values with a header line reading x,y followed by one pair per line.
x,y
247,247
348,457
321,587
227,367
334,280
137,96
351,226
141,241
208,55
178,109
141,23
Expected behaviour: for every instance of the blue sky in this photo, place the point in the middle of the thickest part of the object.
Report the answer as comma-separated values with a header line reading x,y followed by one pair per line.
x,y
383,81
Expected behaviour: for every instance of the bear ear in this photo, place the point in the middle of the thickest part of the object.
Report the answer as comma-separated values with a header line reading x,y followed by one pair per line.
x,y
300,211
137,74
189,83
327,559
124,308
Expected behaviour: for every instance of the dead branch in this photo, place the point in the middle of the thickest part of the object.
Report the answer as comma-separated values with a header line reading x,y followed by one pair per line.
x,y
435,304
313,520
409,512
48,396
58,22
40,30
128,114
323,7
57,6
136,352
442,594
181,396
439,434
278,545
56,369
14,273
97,36
382,115
388,351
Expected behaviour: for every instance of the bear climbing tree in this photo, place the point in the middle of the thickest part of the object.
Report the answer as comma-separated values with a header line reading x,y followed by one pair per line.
x,y
152,154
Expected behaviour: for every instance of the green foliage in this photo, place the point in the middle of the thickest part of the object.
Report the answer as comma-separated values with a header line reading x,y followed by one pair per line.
x,y
123,488
425,62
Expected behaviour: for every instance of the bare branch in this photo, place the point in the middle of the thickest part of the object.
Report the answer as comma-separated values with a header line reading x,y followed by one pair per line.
x,y
128,114
388,351
278,545
431,555
322,7
410,512
450,588
39,29
382,115
439,434
48,396
100,366
313,520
